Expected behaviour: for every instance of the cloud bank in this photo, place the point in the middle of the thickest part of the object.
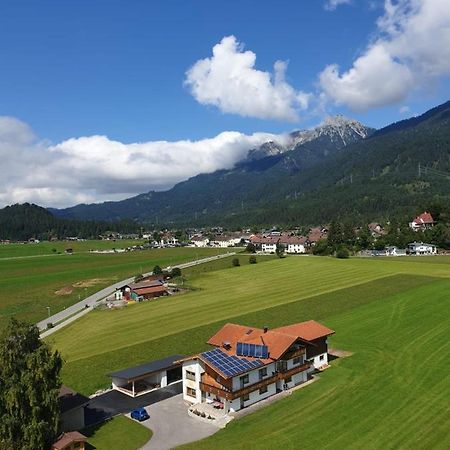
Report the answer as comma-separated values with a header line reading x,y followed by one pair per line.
x,y
230,81
95,168
410,51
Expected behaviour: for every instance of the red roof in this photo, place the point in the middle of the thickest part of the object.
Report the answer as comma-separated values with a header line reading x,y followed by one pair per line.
x,y
307,331
424,218
150,290
278,340
69,438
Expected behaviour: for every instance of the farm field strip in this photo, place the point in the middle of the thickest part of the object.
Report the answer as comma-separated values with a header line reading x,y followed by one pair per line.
x,y
392,393
28,286
223,293
132,332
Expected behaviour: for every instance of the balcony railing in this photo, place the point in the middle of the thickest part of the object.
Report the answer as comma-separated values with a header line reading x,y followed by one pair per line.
x,y
231,395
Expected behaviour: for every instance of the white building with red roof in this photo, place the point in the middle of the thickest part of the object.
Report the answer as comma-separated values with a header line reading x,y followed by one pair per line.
x,y
422,222
250,364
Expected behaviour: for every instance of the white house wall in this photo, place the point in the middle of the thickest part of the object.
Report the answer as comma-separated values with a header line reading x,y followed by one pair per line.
x,y
197,369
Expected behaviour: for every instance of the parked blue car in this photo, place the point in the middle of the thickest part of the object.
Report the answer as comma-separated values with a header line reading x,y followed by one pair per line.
x,y
140,414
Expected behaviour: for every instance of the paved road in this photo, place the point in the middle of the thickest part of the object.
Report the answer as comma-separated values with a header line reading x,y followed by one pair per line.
x,y
100,295
172,426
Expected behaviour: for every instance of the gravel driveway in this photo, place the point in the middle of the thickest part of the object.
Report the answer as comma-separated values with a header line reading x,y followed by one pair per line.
x,y
172,426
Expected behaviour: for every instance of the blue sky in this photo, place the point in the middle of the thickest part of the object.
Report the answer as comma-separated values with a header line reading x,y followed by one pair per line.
x,y
74,69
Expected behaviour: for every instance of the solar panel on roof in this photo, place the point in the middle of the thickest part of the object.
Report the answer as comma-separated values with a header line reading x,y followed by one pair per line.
x,y
230,365
253,350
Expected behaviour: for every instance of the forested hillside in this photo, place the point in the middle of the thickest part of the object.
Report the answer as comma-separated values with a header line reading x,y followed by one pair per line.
x,y
395,172
23,222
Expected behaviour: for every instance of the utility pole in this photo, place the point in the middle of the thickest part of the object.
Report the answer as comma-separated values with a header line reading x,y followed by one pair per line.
x,y
48,309
420,171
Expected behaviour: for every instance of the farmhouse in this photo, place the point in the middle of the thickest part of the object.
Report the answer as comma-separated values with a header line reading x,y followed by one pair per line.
x,y
420,248
143,290
422,222
141,379
250,364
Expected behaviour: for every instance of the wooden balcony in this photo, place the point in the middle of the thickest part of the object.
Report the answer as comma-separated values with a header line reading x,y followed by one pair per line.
x,y
231,395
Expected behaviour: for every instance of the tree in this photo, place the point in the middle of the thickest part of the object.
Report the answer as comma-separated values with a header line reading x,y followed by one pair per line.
x,y
252,260
342,252
279,250
138,277
250,248
235,262
157,270
176,272
29,387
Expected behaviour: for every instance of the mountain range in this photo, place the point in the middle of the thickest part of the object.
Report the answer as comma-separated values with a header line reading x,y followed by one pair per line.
x,y
340,169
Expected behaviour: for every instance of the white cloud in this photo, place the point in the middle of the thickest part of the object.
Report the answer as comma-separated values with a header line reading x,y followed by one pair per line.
x,y
411,51
229,81
405,109
331,5
95,168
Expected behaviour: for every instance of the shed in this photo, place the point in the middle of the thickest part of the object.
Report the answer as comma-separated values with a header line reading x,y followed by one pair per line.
x,y
70,441
147,377
71,409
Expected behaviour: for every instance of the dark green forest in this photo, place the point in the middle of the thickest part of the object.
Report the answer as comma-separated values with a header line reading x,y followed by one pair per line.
x,y
27,221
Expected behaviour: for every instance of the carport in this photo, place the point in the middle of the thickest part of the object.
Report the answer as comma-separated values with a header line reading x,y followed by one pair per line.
x,y
145,378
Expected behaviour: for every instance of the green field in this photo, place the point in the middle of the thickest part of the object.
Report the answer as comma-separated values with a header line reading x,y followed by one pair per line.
x,y
50,248
30,283
120,432
393,314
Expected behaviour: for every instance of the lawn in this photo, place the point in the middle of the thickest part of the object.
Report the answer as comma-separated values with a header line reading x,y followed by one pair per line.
x,y
50,248
272,293
118,433
393,393
29,284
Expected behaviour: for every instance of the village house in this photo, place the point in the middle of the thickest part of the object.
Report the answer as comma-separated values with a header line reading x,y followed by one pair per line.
x,y
376,230
316,234
422,222
265,244
420,248
293,244
70,441
223,241
250,364
199,241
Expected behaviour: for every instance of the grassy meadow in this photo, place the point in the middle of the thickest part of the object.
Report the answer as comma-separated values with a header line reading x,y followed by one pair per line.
x,y
30,283
392,314
120,432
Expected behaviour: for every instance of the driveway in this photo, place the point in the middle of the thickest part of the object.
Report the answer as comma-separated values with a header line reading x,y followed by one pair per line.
x,y
114,402
171,425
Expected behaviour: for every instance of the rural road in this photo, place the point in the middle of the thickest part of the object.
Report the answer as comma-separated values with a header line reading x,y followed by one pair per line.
x,y
94,298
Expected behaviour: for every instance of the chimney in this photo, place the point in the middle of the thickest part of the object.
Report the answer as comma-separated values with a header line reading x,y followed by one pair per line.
x,y
266,329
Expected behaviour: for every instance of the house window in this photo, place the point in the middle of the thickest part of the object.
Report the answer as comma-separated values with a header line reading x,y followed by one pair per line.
x,y
246,397
191,392
297,360
244,379
262,373
190,375
263,390
321,357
